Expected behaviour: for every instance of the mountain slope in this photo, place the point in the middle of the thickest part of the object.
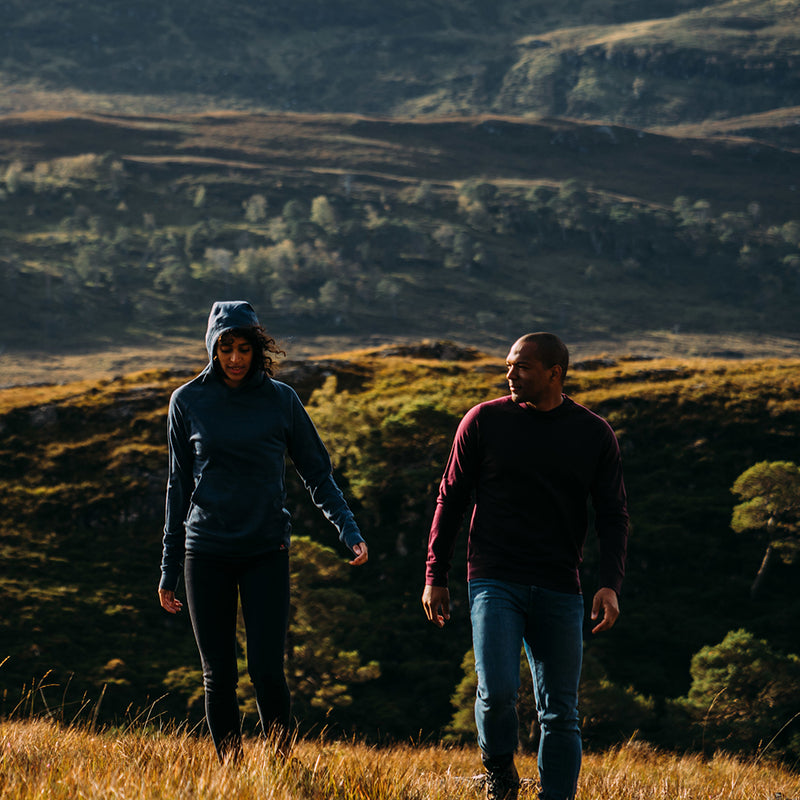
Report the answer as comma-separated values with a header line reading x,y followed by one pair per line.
x,y
352,227
629,62
82,476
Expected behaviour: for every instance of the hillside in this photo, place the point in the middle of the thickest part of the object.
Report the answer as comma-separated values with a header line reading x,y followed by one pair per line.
x,y
119,231
82,478
644,63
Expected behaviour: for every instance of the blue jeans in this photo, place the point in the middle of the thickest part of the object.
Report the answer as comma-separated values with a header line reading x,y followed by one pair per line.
x,y
549,624
214,587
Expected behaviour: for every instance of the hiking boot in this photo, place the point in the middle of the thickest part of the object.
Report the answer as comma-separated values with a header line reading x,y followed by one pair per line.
x,y
502,784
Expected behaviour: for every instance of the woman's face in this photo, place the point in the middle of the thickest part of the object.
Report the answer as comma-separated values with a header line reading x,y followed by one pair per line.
x,y
235,357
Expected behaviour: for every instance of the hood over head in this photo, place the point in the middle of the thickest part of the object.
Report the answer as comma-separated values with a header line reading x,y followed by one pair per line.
x,y
225,316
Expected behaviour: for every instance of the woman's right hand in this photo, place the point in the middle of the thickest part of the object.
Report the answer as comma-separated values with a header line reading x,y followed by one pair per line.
x,y
169,602
361,554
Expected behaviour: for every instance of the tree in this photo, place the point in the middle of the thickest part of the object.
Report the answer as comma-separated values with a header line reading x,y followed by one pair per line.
x,y
333,300
608,712
422,195
789,232
476,200
388,290
199,196
322,666
462,252
323,215
255,208
575,211
13,176
770,492
298,227
477,191
744,693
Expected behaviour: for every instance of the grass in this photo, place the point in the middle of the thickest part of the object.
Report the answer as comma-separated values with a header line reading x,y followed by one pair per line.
x,y
40,377
39,758
60,374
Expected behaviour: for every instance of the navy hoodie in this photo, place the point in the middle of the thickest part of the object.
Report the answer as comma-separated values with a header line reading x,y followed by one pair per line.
x,y
226,491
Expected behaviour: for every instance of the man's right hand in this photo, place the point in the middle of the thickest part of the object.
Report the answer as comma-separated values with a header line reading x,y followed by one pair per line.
x,y
436,602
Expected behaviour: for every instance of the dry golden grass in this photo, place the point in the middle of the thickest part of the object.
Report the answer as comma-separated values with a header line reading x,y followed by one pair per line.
x,y
53,370
31,368
39,759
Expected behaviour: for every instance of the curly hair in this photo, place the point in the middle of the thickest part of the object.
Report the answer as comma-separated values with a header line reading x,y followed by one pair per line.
x,y
261,342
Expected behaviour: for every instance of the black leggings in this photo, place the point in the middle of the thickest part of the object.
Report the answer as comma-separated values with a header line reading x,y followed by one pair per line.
x,y
213,587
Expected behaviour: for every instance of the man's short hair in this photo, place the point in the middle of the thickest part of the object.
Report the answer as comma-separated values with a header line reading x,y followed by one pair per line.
x,y
550,350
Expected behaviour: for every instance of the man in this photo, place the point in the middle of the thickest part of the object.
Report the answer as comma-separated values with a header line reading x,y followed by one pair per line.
x,y
530,461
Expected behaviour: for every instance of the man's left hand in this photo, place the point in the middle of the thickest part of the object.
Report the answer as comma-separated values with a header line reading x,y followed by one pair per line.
x,y
605,607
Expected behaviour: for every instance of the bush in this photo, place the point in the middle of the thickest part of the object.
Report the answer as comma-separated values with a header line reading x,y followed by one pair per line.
x,y
743,696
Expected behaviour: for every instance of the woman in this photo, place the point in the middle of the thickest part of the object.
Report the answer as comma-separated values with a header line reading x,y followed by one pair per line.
x,y
226,523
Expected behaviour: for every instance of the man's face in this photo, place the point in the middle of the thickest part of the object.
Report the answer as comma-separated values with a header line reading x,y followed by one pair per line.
x,y
528,379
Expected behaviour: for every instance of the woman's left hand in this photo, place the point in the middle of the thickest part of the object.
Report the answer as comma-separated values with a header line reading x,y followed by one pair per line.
x,y
169,602
361,554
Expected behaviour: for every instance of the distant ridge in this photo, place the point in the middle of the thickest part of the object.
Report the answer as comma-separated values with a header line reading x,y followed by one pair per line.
x,y
633,62
646,167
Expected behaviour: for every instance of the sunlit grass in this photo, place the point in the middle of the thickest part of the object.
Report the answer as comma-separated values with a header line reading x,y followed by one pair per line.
x,y
40,759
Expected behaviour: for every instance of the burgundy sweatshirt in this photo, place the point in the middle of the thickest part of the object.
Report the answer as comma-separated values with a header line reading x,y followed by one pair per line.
x,y
530,474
